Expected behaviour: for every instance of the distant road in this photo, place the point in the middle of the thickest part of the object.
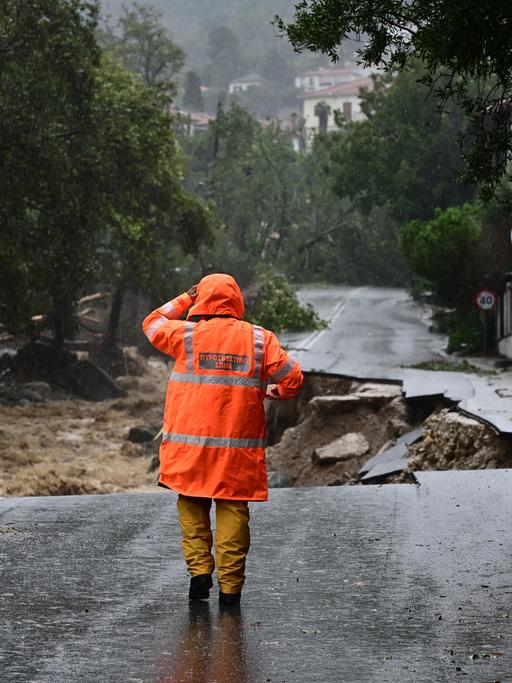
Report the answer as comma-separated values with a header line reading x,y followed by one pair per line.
x,y
372,332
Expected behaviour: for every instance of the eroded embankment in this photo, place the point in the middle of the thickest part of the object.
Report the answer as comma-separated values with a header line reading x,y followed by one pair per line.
x,y
337,425
455,441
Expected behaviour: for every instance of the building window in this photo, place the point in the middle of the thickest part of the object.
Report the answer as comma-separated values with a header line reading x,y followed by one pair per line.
x,y
347,111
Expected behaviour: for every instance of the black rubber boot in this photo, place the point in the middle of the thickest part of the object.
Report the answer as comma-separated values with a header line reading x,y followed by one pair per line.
x,y
229,599
200,587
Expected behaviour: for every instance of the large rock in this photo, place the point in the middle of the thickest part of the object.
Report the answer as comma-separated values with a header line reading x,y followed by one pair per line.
x,y
322,405
351,445
42,388
43,362
377,395
30,396
93,383
142,433
454,441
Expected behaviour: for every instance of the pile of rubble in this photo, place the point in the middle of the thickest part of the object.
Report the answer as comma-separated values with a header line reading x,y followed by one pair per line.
x,y
454,441
339,424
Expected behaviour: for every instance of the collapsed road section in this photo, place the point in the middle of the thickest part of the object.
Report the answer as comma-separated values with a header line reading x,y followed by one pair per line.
x,y
341,431
373,335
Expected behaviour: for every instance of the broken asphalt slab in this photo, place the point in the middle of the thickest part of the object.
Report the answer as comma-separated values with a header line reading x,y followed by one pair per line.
x,y
376,334
397,452
359,584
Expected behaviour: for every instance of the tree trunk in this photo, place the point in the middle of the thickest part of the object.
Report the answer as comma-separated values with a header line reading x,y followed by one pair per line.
x,y
109,355
115,316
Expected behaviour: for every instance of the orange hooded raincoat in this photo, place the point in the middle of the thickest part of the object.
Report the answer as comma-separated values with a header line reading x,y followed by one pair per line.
x,y
213,444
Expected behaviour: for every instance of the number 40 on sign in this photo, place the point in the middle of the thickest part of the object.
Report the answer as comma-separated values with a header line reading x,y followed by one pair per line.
x,y
486,300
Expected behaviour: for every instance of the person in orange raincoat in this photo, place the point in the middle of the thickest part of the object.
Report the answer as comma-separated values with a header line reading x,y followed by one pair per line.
x,y
213,443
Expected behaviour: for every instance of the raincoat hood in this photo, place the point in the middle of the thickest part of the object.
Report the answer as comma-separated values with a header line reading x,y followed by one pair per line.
x,y
218,294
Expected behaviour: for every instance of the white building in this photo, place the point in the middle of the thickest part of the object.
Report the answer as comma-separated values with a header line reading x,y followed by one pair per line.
x,y
244,83
329,77
344,98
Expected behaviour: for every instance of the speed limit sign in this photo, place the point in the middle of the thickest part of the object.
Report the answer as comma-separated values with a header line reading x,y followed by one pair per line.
x,y
486,300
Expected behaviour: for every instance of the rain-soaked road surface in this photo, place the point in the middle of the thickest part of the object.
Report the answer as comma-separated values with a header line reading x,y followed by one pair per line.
x,y
345,584
372,332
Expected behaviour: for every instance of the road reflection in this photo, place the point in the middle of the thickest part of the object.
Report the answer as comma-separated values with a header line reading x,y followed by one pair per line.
x,y
209,650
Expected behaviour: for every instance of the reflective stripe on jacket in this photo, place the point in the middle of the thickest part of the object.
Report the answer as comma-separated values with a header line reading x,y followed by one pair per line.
x,y
214,422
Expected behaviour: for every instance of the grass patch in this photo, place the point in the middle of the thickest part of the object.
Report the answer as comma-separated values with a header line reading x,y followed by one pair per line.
x,y
447,366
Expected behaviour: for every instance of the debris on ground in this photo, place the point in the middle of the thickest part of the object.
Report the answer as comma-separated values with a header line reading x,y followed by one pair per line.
x,y
39,363
455,441
337,431
338,424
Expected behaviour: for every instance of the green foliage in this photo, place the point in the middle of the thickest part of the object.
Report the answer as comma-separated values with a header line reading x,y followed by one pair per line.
x,y
144,47
90,175
247,172
277,307
334,240
447,366
404,155
192,95
150,219
465,330
471,48
224,58
49,188
462,250
279,207
442,251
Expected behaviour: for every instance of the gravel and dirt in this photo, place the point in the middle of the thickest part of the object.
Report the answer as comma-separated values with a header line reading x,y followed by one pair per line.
x,y
455,441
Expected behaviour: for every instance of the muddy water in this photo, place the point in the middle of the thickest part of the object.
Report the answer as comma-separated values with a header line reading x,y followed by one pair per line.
x,y
73,447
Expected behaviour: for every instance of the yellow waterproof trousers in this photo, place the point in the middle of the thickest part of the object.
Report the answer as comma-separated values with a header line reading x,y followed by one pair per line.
x,y
232,539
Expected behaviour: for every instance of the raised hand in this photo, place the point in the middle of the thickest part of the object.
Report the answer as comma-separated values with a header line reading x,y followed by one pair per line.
x,y
192,292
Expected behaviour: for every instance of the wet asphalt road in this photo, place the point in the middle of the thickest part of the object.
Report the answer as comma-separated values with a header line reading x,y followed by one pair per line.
x,y
372,331
349,584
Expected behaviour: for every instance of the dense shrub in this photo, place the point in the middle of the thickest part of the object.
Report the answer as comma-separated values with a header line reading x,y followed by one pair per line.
x,y
276,307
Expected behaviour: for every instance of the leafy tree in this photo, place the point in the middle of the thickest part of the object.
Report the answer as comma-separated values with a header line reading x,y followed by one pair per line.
x,y
404,156
457,253
322,111
459,47
441,251
224,57
90,175
277,307
150,220
145,48
334,241
247,171
192,95
48,184
279,207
